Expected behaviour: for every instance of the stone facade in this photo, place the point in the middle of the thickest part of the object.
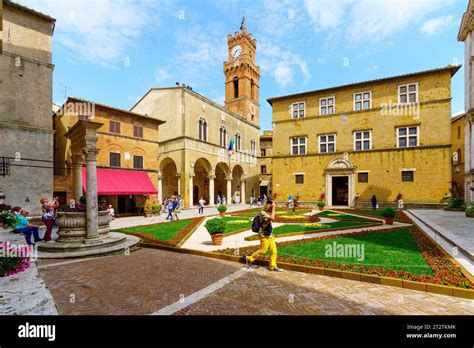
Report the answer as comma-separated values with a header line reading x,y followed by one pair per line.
x,y
348,175
194,161
467,36
26,130
126,143
265,162
457,152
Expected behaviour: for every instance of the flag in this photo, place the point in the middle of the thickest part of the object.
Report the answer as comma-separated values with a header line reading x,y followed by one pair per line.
x,y
231,149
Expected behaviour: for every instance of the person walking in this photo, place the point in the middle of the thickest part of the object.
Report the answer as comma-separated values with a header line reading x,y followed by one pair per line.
x,y
219,199
374,202
170,209
201,206
267,240
175,209
224,200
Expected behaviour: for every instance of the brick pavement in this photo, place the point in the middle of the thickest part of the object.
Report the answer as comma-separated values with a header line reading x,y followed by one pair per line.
x,y
150,280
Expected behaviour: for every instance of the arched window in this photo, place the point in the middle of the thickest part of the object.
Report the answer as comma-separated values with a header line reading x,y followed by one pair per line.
x,y
459,132
238,141
252,90
202,129
460,159
222,136
236,87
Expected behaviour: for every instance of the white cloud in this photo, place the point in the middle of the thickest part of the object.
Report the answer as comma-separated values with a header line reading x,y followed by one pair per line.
x,y
435,25
98,31
161,76
283,74
326,14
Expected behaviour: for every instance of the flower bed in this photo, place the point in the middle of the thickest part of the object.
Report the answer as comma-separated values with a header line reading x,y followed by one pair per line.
x,y
401,216
13,259
444,271
176,240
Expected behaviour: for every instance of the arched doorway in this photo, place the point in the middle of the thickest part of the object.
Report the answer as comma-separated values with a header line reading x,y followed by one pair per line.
x,y
202,181
169,177
340,183
238,188
222,174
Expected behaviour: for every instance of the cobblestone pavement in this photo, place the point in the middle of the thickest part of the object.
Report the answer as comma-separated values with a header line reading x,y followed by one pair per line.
x,y
150,280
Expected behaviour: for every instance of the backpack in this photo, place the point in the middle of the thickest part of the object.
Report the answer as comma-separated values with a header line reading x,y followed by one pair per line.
x,y
256,227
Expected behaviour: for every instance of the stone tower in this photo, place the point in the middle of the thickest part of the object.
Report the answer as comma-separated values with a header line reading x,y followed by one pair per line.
x,y
242,75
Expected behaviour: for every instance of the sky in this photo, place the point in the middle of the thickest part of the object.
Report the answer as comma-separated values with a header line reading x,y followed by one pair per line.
x,y
114,51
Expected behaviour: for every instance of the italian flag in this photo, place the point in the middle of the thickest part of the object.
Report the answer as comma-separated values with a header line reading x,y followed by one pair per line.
x,y
231,149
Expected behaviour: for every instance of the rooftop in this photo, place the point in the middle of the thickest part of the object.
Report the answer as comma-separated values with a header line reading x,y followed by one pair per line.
x,y
28,10
452,68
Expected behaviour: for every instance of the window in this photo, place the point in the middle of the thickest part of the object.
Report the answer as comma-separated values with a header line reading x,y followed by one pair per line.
x,y
84,118
459,132
326,106
298,110
202,129
298,146
114,127
253,147
263,169
238,141
138,162
363,177
236,87
362,101
327,143
408,93
408,176
138,131
299,178
252,90
263,152
362,140
407,137
114,159
222,137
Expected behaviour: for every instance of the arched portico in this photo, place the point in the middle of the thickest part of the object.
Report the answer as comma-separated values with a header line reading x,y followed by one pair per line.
x,y
168,179
201,182
340,182
238,184
222,173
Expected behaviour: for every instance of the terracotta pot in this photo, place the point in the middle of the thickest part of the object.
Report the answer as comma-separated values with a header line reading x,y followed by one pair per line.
x,y
389,220
148,215
321,208
222,213
217,238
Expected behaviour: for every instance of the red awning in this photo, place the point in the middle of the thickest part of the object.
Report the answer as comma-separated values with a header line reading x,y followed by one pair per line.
x,y
121,182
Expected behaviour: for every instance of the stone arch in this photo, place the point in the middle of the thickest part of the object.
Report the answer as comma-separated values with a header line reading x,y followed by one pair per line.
x,y
222,173
201,182
238,186
169,177
340,182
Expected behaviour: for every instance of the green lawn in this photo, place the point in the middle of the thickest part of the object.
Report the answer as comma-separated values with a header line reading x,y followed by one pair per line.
x,y
163,232
236,223
376,213
279,212
291,228
394,250
341,216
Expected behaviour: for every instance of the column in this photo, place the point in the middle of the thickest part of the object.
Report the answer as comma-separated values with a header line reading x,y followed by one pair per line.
x,y
178,175
92,233
160,188
191,189
211,189
229,191
77,176
242,191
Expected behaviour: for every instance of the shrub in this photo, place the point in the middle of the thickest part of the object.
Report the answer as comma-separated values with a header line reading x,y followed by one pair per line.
x,y
156,208
388,212
321,204
455,202
148,207
10,265
222,208
9,219
215,226
470,208
82,200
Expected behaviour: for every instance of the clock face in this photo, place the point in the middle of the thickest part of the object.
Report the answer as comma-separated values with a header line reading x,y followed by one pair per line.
x,y
236,51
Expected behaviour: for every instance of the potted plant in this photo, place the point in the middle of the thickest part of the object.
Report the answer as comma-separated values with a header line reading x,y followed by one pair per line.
x,y
222,209
321,205
216,228
389,214
9,219
470,210
156,209
148,208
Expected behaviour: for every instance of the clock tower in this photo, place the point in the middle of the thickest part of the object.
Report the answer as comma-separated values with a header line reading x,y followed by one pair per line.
x,y
242,75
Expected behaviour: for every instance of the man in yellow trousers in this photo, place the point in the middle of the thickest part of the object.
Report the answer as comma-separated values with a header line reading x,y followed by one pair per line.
x,y
267,240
